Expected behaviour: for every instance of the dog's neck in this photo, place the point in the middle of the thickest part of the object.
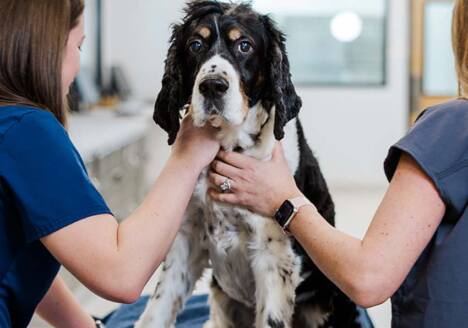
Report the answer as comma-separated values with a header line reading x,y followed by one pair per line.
x,y
254,137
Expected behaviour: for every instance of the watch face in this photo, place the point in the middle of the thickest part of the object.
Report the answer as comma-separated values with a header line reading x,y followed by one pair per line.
x,y
284,212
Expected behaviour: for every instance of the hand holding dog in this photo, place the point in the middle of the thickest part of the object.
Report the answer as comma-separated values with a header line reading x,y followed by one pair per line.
x,y
258,185
195,146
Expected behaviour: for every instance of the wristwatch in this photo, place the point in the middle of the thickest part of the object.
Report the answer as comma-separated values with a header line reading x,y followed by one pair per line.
x,y
99,323
288,210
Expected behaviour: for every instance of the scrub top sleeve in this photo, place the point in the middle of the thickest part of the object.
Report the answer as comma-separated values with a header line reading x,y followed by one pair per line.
x,y
438,142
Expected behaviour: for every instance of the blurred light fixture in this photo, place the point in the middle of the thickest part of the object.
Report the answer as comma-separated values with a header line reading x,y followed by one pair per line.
x,y
346,26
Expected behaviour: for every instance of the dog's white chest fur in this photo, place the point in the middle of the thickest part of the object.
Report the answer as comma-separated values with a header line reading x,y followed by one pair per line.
x,y
233,235
230,233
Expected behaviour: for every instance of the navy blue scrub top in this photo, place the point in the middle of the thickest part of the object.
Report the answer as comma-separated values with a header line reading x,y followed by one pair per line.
x,y
435,292
44,187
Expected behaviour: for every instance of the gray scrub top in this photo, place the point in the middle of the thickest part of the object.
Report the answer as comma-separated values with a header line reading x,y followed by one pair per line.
x,y
435,292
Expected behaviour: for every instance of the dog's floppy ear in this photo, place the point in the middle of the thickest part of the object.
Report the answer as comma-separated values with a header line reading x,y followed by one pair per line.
x,y
280,90
171,98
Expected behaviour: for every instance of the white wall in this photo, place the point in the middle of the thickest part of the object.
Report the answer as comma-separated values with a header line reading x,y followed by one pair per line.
x,y
350,129
137,34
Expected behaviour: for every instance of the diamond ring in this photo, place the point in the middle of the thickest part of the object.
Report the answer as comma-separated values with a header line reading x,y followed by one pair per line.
x,y
225,186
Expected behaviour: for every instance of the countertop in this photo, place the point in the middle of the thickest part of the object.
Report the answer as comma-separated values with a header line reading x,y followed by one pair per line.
x,y
100,132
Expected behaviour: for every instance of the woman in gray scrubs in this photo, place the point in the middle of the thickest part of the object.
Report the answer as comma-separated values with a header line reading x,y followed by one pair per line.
x,y
415,250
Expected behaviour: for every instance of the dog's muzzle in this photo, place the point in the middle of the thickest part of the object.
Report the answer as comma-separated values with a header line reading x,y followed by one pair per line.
x,y
217,95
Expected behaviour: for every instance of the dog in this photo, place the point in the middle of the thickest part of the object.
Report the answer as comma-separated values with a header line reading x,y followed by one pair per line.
x,y
227,65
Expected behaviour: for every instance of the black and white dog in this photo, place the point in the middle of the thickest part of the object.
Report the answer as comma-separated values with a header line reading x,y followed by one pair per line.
x,y
227,64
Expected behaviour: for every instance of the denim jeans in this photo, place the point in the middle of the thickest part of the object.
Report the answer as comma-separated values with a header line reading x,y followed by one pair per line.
x,y
195,314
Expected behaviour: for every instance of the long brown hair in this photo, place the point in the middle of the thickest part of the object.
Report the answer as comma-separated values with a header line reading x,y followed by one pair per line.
x,y
460,44
33,36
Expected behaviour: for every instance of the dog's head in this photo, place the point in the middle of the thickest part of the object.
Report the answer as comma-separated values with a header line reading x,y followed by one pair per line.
x,y
225,58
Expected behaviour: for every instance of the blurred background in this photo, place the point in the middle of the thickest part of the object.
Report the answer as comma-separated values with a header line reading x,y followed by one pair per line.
x,y
364,69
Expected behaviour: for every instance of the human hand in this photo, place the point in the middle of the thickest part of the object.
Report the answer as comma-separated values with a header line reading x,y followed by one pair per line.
x,y
197,146
260,186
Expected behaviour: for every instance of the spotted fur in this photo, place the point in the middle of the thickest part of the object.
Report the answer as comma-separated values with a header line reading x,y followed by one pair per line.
x,y
260,276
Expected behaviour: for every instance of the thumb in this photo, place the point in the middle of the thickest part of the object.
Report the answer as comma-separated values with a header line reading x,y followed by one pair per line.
x,y
278,151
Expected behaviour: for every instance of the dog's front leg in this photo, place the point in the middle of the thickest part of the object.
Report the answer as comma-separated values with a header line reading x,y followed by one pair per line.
x,y
182,268
277,274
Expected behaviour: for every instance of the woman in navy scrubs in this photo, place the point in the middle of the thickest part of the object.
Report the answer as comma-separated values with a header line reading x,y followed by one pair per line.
x,y
415,250
50,213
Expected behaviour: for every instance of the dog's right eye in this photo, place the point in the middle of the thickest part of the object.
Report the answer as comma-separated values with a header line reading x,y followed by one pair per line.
x,y
196,46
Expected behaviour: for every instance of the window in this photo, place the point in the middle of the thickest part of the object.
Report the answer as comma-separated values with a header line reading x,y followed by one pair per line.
x,y
332,42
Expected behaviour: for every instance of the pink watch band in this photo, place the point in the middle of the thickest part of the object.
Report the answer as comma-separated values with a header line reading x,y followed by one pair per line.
x,y
300,201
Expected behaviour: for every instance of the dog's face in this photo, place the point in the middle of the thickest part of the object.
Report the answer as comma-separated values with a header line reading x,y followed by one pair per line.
x,y
223,60
226,59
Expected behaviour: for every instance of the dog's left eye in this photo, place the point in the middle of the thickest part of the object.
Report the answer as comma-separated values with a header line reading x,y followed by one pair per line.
x,y
245,47
196,46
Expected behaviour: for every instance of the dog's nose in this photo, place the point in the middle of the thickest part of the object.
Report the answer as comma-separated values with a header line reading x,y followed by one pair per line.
x,y
214,88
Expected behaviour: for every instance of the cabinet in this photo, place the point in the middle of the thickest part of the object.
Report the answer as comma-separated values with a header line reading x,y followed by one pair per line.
x,y
119,176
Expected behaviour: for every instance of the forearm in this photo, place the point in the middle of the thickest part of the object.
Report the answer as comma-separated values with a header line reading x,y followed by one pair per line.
x,y
349,262
144,239
60,308
371,270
